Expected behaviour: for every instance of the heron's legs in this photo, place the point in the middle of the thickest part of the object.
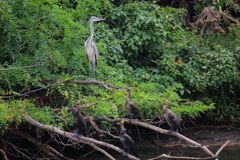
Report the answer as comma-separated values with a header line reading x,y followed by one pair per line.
x,y
94,72
91,72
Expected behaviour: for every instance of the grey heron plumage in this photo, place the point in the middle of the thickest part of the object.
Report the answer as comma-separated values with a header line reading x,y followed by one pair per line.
x,y
90,45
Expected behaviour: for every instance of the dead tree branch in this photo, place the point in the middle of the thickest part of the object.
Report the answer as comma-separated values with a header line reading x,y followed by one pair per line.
x,y
20,151
223,146
4,154
194,158
45,148
36,65
25,94
177,157
70,109
232,19
163,131
86,140
96,82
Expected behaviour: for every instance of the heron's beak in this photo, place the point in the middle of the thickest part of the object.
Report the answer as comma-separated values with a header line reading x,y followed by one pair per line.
x,y
101,19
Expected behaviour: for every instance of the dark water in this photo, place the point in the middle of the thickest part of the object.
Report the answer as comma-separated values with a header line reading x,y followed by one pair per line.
x,y
228,153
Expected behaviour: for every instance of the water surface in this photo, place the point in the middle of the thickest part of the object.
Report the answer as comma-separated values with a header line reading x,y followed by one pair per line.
x,y
228,153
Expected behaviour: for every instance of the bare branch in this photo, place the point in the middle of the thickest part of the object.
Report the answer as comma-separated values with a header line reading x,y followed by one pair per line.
x,y
45,148
70,109
90,119
220,149
36,65
177,157
232,19
25,94
83,139
160,130
4,154
95,82
19,150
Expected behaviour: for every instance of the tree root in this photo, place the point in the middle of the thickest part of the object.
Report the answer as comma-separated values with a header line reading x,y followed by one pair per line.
x,y
45,148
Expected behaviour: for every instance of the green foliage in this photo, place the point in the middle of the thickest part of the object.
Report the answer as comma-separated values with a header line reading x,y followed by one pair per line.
x,y
193,109
13,112
141,46
138,32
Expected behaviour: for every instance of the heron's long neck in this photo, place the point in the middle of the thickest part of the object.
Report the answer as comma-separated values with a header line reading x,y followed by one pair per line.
x,y
92,31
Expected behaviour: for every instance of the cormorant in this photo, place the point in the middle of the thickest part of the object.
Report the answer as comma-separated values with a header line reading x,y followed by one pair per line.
x,y
79,122
127,141
171,118
132,109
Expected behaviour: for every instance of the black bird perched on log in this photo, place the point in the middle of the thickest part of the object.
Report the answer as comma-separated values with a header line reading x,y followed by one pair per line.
x,y
171,118
79,122
127,141
132,109
90,46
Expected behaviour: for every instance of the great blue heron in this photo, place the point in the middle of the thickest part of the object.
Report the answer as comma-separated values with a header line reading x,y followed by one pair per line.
x,y
126,140
132,109
171,118
90,46
79,122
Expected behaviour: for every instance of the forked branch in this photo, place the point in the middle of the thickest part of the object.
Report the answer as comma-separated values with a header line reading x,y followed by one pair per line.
x,y
163,131
85,140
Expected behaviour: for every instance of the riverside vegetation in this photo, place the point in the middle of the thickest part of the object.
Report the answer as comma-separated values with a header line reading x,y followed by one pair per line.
x,y
144,46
